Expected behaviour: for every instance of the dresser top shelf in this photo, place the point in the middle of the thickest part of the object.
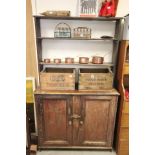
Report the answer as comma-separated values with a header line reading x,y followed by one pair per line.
x,y
93,39
77,92
78,18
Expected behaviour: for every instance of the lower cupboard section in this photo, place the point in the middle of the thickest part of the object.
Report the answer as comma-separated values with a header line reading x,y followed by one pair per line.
x,y
75,121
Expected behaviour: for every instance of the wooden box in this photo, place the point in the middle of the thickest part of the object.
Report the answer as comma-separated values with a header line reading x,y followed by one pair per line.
x,y
95,79
57,79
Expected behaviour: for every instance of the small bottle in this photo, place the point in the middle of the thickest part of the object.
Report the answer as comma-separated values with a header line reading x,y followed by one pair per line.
x,y
62,32
58,32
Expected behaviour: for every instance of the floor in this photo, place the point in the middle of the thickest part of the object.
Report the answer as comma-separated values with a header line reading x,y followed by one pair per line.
x,y
76,153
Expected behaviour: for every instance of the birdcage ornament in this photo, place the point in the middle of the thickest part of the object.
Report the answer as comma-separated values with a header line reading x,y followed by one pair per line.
x,y
62,30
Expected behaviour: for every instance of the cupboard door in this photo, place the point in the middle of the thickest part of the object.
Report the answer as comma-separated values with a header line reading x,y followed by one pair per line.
x,y
54,120
98,118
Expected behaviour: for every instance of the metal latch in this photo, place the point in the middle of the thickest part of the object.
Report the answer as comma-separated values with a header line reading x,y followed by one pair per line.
x,y
75,116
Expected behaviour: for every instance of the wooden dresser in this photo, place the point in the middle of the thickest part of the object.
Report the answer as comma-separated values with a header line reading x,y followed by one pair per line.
x,y
73,115
122,144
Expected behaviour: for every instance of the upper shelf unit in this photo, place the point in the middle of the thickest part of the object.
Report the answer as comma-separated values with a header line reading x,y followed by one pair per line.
x,y
106,34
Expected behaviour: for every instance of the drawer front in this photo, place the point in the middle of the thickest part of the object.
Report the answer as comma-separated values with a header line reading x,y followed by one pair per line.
x,y
125,120
126,107
124,133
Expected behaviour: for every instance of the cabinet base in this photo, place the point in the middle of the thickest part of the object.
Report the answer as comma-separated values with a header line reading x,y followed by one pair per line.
x,y
73,148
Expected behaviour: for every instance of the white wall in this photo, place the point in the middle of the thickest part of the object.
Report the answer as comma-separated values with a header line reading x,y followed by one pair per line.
x,y
40,6
122,8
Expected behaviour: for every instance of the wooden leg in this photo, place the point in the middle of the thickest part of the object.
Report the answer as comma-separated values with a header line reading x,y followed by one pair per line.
x,y
33,149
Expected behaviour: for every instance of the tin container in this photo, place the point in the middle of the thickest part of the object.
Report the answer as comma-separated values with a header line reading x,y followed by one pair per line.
x,y
69,60
83,60
57,61
47,60
97,60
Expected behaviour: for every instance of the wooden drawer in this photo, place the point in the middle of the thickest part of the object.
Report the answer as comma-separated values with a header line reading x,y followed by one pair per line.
x,y
124,133
126,107
125,120
123,148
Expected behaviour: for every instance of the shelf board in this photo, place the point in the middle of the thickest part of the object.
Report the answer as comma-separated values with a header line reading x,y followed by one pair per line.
x,y
77,65
79,18
101,39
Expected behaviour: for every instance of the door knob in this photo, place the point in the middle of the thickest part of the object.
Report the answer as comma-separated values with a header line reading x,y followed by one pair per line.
x,y
69,122
81,122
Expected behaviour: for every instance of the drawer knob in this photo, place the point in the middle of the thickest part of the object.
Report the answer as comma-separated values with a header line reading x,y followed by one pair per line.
x,y
70,123
81,122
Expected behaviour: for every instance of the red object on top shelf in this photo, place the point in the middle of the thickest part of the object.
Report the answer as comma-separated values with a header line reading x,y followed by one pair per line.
x,y
108,8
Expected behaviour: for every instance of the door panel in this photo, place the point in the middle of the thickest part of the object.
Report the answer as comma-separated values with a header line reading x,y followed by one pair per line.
x,y
54,120
98,120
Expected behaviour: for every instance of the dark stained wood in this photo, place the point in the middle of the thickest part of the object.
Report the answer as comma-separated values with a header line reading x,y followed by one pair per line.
x,y
39,49
119,29
98,120
53,116
27,134
37,27
112,118
75,121
112,92
93,39
79,18
38,42
75,148
76,64
114,60
76,112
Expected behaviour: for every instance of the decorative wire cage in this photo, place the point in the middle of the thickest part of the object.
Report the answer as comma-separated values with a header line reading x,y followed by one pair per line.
x,y
62,30
82,32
